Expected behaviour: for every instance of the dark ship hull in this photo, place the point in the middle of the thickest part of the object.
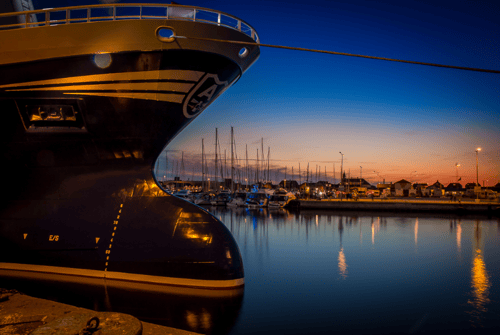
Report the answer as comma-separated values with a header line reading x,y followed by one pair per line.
x,y
87,107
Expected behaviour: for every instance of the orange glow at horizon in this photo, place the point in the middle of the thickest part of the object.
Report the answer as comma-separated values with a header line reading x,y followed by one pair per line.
x,y
377,151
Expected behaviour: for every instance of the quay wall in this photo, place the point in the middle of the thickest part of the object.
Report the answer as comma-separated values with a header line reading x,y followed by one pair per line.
x,y
488,208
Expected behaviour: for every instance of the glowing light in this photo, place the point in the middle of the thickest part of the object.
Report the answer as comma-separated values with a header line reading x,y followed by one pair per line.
x,y
102,60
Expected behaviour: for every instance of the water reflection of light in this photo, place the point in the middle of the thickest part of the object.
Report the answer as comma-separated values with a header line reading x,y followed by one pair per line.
x,y
416,231
373,233
375,228
342,264
480,280
459,238
480,284
200,321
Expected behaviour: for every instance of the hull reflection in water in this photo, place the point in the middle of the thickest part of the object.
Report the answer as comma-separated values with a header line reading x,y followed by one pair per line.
x,y
199,310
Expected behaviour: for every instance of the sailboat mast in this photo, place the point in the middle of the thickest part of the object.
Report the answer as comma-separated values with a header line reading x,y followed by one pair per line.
x,y
262,160
202,165
285,178
166,165
183,171
247,174
268,154
215,179
232,161
307,180
257,168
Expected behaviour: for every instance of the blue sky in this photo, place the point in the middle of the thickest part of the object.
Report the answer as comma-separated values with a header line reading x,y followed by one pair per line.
x,y
387,117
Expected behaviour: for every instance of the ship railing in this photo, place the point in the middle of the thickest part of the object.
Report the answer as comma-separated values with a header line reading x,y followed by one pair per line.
x,y
115,12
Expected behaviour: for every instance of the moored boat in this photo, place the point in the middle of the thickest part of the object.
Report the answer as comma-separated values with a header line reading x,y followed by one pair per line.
x,y
221,198
90,97
258,199
237,199
280,198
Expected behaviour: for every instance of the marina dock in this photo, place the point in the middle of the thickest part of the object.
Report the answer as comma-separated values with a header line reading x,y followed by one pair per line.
x,y
402,205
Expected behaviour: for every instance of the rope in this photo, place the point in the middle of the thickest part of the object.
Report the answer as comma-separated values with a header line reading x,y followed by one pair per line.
x,y
342,54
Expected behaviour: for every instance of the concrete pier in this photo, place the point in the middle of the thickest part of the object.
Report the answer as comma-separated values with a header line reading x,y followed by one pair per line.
x,y
22,314
402,205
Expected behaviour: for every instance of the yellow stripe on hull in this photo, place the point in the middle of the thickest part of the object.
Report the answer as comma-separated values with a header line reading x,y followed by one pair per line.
x,y
34,271
174,87
175,98
185,75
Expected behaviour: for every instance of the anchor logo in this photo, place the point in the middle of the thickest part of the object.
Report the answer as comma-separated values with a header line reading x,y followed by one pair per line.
x,y
203,94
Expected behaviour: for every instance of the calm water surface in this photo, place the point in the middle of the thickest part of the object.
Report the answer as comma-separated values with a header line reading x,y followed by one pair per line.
x,y
327,272
356,273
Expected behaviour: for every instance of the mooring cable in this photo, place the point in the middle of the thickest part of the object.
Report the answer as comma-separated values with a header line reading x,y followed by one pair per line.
x,y
341,54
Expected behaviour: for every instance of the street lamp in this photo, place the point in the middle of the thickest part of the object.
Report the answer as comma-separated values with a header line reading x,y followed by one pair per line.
x,y
477,166
456,167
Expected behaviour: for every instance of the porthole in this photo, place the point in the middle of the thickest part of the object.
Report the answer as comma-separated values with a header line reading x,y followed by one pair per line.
x,y
165,34
102,60
243,52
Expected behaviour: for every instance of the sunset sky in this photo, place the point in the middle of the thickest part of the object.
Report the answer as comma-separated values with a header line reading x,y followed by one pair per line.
x,y
400,120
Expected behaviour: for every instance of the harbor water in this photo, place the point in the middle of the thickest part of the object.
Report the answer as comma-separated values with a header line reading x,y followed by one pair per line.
x,y
324,272
319,273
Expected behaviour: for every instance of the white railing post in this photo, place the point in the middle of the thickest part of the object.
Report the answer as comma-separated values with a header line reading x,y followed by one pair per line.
x,y
47,18
114,13
194,14
239,25
218,20
67,15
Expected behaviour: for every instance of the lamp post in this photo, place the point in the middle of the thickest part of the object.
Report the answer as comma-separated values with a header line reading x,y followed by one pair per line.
x,y
456,167
477,166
